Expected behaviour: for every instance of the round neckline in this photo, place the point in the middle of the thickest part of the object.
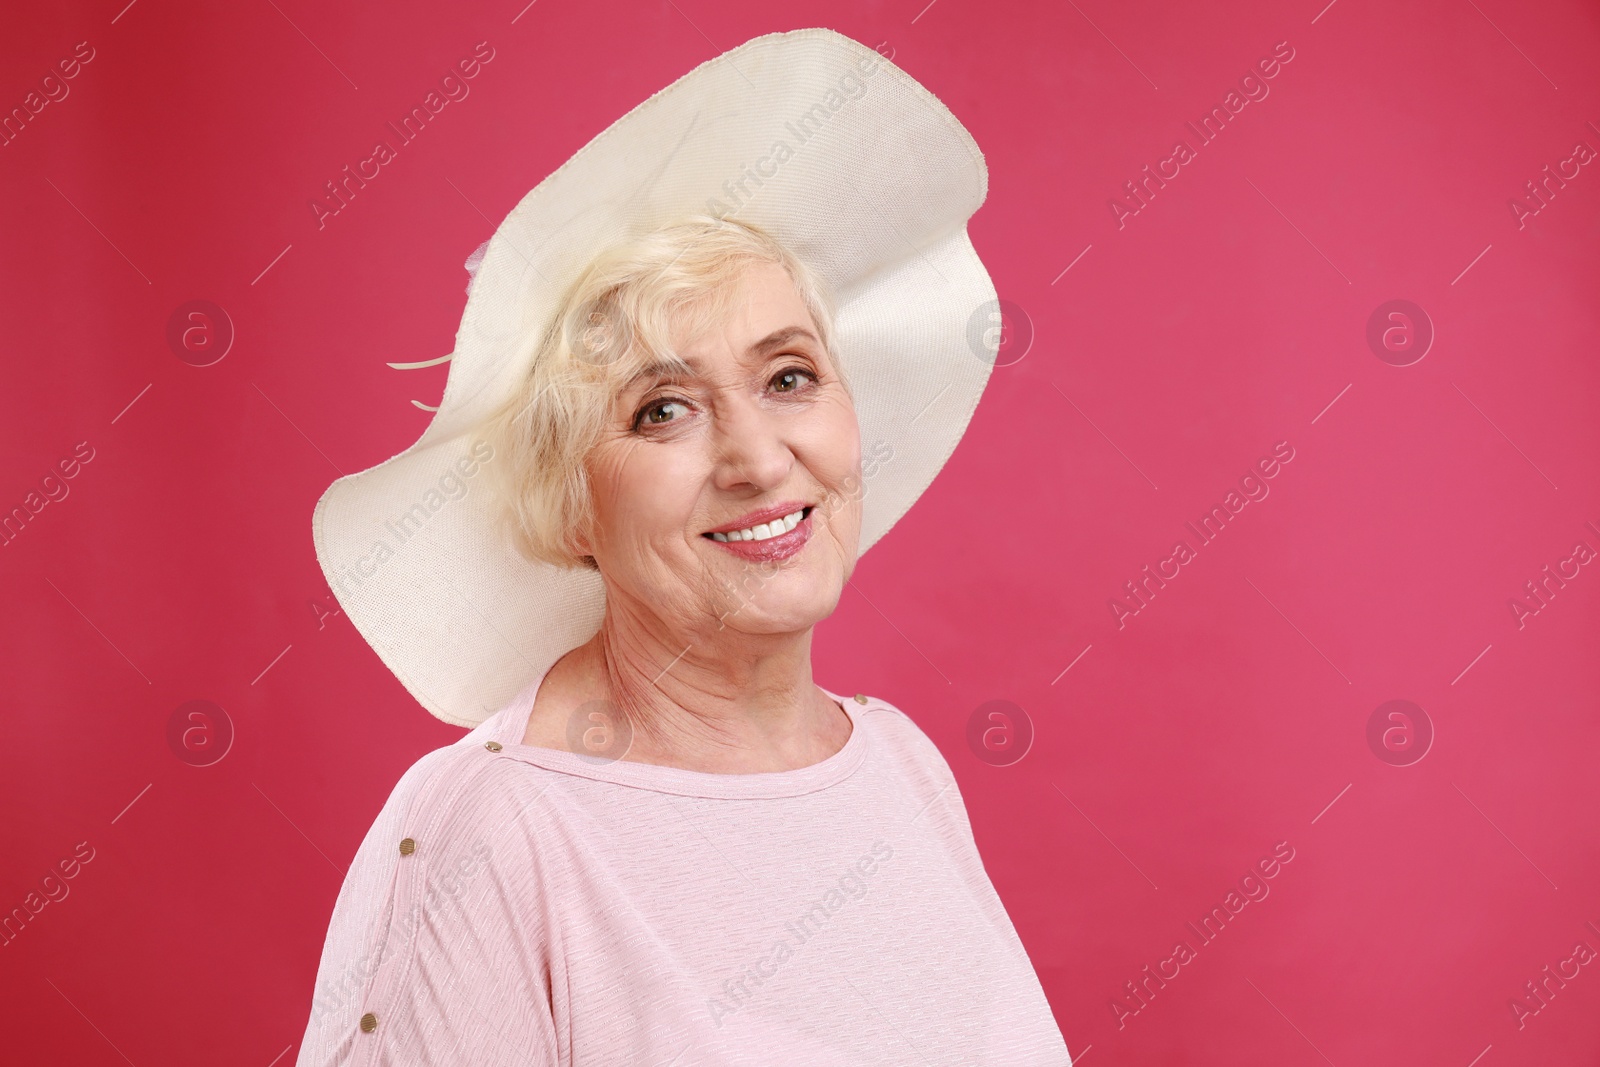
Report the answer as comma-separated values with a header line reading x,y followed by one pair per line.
x,y
678,780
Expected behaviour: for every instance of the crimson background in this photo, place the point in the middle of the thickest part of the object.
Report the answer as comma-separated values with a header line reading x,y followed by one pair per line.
x,y
1229,314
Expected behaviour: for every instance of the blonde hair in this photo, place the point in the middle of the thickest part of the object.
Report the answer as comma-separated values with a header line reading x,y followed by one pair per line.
x,y
618,317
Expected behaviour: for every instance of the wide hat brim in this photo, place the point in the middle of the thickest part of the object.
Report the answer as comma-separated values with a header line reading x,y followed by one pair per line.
x,y
844,158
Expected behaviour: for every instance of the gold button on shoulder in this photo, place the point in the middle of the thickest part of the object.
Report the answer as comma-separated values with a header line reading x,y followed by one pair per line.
x,y
492,746
861,698
407,847
369,1023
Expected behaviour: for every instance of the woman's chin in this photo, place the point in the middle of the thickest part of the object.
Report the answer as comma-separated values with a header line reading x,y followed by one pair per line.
x,y
772,612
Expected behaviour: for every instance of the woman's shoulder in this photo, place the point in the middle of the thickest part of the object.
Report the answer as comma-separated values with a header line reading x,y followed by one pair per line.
x,y
441,869
903,736
446,796
453,787
923,768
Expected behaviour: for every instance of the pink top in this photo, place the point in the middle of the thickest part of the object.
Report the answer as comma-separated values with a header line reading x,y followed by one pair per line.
x,y
530,907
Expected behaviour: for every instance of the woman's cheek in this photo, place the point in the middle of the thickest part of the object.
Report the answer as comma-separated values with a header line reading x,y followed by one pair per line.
x,y
837,440
661,483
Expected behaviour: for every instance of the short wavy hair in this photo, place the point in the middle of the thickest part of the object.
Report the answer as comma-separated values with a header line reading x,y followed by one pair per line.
x,y
619,316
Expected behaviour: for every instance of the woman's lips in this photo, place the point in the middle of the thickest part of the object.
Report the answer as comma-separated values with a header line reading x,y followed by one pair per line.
x,y
773,548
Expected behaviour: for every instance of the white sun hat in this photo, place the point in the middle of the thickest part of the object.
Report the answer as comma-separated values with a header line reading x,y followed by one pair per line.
x,y
849,163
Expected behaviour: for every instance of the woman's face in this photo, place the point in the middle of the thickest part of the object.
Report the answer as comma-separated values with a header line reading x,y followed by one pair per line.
x,y
761,430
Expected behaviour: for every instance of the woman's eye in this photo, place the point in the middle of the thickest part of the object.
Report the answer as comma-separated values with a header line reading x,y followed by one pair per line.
x,y
787,381
659,412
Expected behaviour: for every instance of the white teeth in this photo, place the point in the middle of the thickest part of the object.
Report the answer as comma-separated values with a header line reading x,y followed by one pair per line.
x,y
763,531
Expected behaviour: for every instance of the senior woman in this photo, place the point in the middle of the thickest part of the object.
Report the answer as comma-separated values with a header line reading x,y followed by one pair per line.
x,y
671,845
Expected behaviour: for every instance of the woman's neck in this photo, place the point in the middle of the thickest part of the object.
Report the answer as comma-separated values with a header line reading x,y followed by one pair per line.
x,y
727,703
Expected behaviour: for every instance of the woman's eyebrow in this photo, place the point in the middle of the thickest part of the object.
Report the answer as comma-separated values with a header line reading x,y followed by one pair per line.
x,y
778,338
652,374
660,371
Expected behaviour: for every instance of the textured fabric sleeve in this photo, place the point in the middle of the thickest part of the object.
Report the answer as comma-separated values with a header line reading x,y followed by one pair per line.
x,y
437,951
942,803
938,796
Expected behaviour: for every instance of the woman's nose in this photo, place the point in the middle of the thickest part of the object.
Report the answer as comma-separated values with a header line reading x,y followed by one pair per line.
x,y
750,447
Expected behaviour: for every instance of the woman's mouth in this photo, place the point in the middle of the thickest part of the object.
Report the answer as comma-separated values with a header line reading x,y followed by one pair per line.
x,y
777,538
